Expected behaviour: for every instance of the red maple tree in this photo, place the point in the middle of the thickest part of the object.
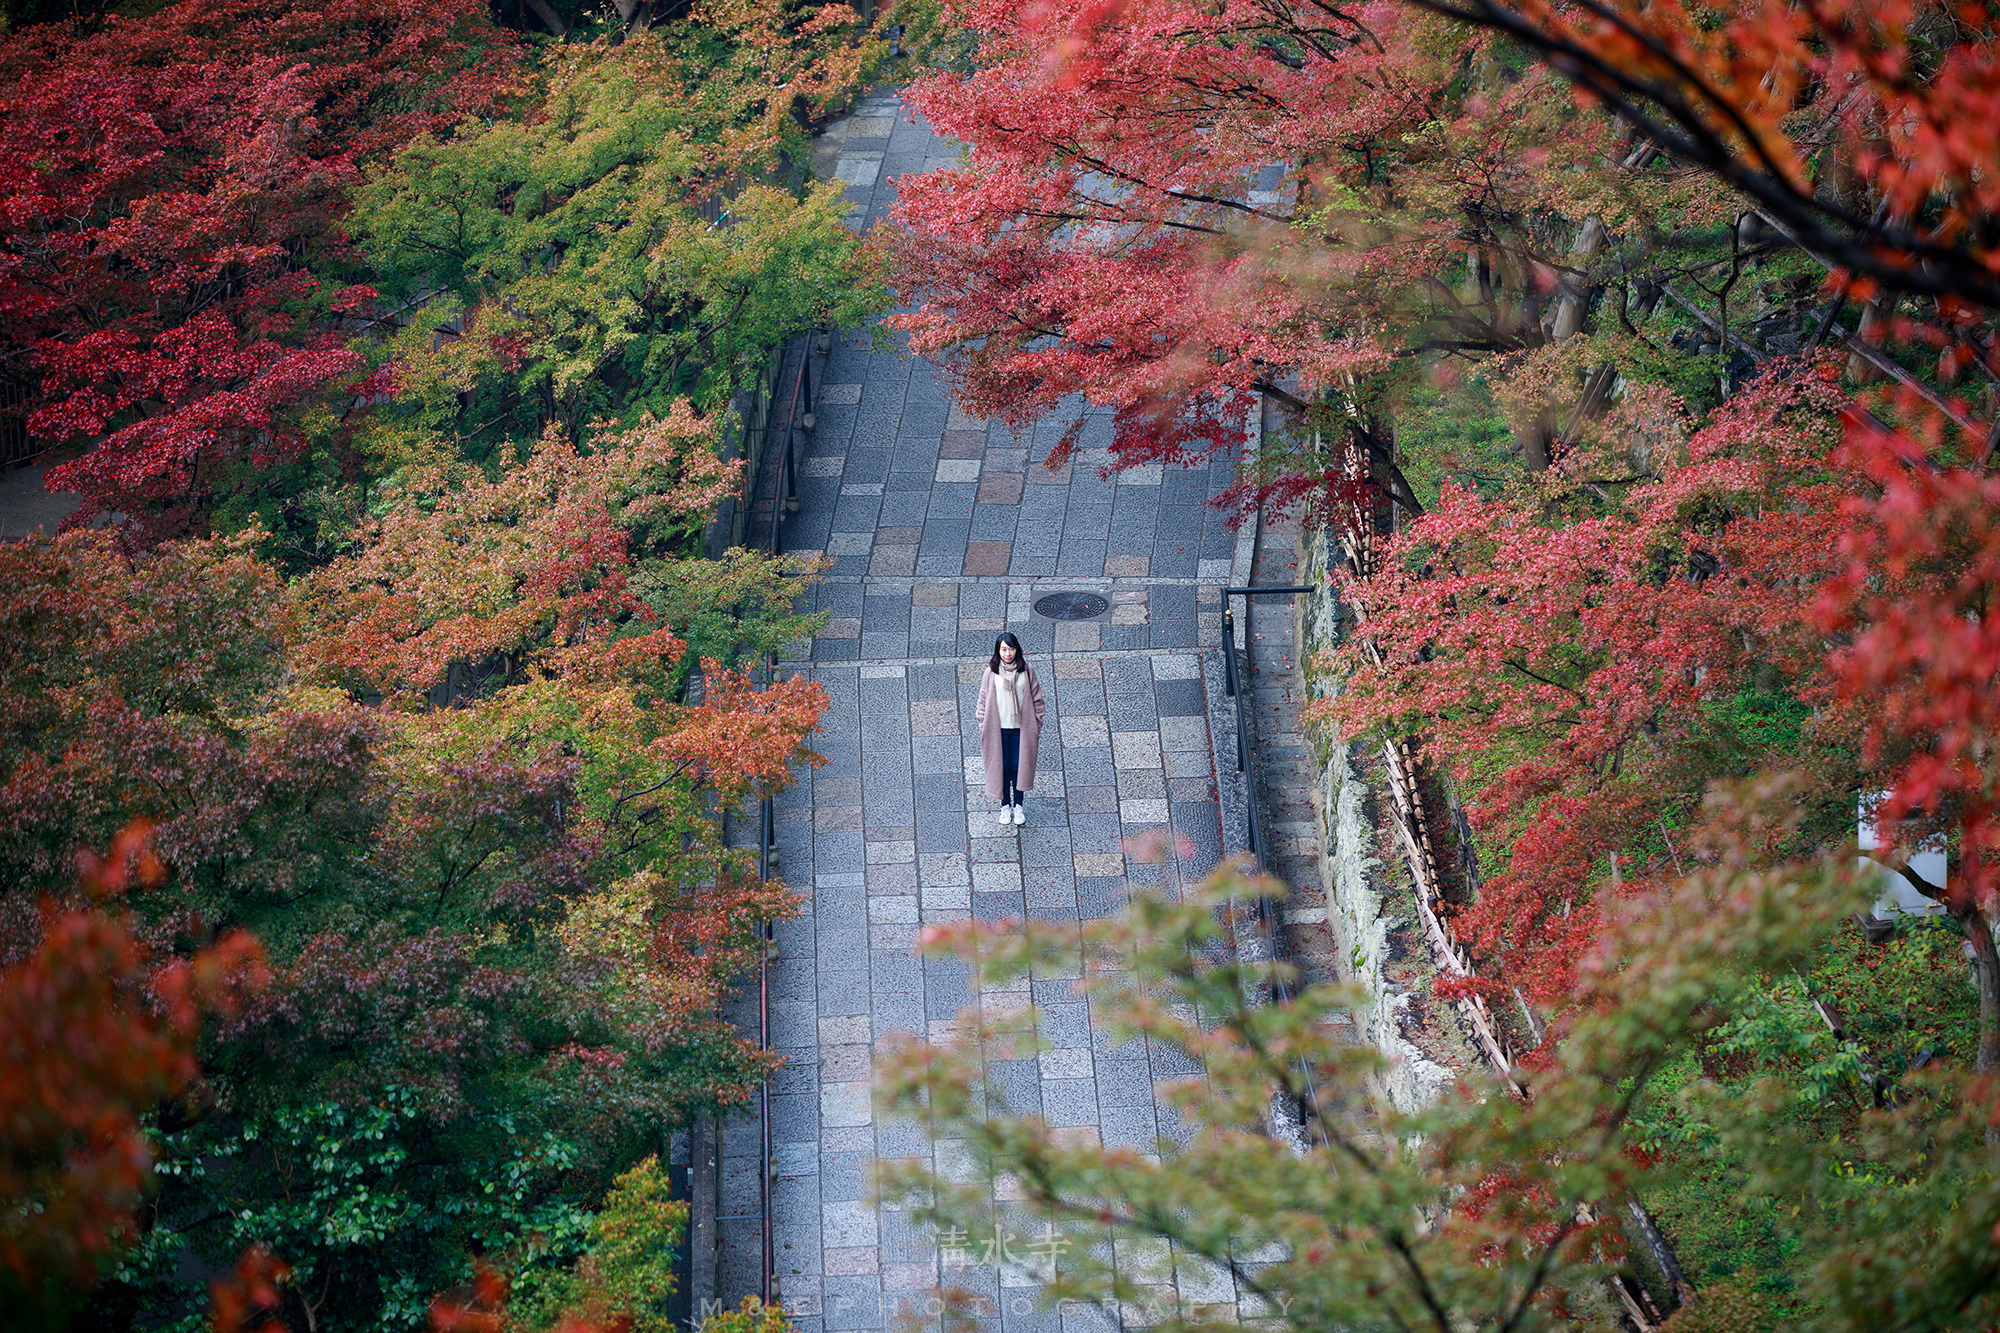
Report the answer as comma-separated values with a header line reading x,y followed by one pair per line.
x,y
1868,575
1173,209
1115,230
97,1031
1911,610
1596,657
170,244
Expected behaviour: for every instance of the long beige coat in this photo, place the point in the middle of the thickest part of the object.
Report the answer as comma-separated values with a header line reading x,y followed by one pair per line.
x,y
988,716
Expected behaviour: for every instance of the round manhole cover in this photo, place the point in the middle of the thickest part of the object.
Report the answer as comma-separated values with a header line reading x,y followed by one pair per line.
x,y
1071,606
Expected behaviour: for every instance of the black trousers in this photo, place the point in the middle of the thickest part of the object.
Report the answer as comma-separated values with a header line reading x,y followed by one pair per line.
x,y
1010,765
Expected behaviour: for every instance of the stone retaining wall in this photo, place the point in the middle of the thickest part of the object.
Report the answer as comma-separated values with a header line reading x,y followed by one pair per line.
x,y
1370,907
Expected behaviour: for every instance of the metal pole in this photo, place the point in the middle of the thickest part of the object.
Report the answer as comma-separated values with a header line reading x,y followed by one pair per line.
x,y
767,827
1228,648
790,490
791,448
791,474
1242,729
778,509
764,1110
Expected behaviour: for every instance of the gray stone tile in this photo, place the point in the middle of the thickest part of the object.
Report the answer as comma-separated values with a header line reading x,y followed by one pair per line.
x,y
998,907
1018,1083
853,1138
1170,1061
899,1012
1069,1101
1132,708
1019,1314
901,1139
1129,1127
797,1244
843,1176
1083,698
799,1073
1095,833
852,1303
843,943
794,1160
1065,1024
1089,768
1124,1083
839,909
1047,992
1144,784
795,1118
843,993
1052,902
794,1023
995,851
1102,1048
947,987
903,1238
1079,1317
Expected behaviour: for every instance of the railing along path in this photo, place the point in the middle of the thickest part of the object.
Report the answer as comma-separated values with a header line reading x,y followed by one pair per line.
x,y
781,438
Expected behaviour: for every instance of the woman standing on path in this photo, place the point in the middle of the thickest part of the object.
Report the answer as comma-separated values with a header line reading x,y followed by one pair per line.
x,y
1010,726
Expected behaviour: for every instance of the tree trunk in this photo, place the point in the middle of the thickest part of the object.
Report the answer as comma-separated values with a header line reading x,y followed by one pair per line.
x,y
1874,319
1965,910
1986,967
1575,299
1534,438
549,17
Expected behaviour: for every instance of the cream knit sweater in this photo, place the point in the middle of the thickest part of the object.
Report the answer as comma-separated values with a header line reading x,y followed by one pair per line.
x,y
1007,695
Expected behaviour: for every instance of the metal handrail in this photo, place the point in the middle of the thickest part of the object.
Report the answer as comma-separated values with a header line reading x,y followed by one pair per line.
x,y
766,831
784,493
785,489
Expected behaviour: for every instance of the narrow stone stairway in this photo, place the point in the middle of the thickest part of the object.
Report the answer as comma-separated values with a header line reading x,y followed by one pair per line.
x,y
1289,769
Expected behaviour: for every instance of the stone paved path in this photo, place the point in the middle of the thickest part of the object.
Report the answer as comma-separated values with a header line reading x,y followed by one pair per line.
x,y
945,530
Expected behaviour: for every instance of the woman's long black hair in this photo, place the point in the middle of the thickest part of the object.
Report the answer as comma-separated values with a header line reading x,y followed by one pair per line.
x,y
1020,653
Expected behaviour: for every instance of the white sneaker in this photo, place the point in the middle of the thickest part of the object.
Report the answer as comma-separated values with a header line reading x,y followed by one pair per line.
x,y
1006,817
1020,814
